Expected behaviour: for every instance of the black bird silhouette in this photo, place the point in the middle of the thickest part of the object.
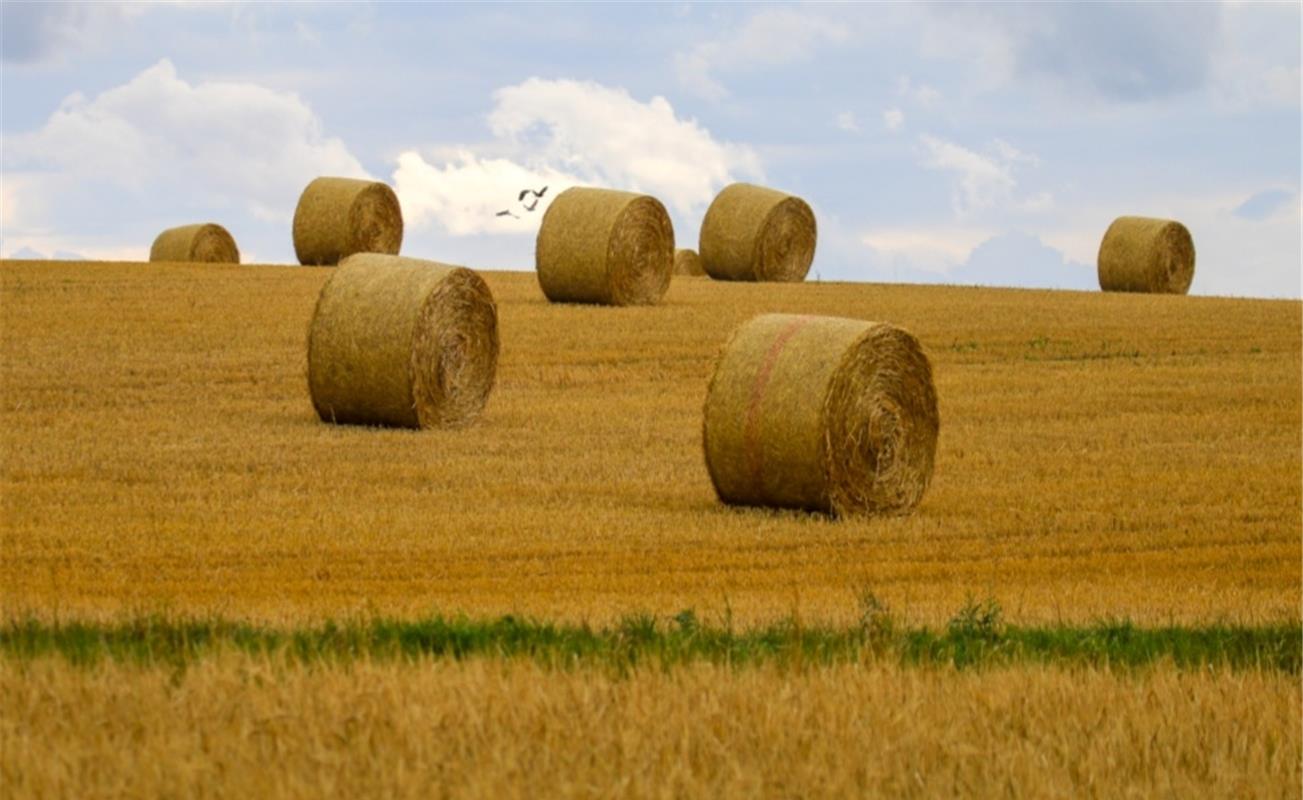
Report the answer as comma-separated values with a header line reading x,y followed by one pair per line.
x,y
531,206
537,195
506,213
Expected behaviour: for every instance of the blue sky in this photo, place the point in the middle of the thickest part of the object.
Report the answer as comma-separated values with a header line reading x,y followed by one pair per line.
x,y
977,144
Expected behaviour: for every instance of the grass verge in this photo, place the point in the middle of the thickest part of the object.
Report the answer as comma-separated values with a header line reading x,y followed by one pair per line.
x,y
975,637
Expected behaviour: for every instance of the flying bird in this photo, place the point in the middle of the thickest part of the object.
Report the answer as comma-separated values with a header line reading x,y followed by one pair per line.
x,y
537,195
506,213
531,206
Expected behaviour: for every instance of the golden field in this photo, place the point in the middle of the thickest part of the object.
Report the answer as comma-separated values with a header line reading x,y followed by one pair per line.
x,y
248,727
1100,455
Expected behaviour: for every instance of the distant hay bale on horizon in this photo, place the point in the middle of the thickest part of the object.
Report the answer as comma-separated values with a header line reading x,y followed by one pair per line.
x,y
687,262
605,246
1145,254
822,414
753,233
402,342
337,217
205,242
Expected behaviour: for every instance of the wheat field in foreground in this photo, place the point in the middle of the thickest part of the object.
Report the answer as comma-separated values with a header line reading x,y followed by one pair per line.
x,y
250,727
1100,456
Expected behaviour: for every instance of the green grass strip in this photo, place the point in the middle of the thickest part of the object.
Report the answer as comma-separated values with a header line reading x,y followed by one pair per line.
x,y
975,638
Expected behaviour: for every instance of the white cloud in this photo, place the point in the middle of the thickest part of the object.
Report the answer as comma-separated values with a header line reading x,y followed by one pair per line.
x,y
846,121
920,94
893,118
982,181
768,38
464,192
1010,154
222,143
930,249
561,133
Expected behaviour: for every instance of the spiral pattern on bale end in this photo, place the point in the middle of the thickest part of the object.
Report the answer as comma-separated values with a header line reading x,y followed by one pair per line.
x,y
207,242
402,342
687,262
1144,254
752,233
337,217
822,414
605,246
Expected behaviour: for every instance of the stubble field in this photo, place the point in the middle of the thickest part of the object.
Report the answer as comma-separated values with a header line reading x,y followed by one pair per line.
x,y
1102,457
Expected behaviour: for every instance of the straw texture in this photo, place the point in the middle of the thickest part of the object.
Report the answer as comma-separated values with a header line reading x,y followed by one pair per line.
x,y
752,233
687,262
823,414
604,246
1143,254
206,242
402,342
337,217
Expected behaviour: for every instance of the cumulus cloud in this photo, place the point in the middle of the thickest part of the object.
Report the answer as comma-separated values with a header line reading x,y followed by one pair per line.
x,y
936,249
561,133
893,118
770,37
920,94
982,181
846,122
233,144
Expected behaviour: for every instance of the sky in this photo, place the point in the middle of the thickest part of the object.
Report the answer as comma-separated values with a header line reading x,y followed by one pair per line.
x,y
985,144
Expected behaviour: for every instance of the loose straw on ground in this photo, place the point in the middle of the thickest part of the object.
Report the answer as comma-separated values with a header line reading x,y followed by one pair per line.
x,y
751,233
205,242
1143,254
337,217
604,246
402,342
821,413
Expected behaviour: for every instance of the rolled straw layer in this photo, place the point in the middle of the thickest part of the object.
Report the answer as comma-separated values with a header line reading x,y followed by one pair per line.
x,y
821,413
1143,254
206,242
337,217
751,233
402,342
687,262
604,246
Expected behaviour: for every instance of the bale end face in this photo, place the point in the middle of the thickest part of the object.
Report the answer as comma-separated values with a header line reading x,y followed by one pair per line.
x,y
752,233
1144,254
337,217
822,414
687,262
604,246
403,343
207,243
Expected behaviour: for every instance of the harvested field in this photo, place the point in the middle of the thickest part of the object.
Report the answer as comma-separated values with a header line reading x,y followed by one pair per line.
x,y
1133,456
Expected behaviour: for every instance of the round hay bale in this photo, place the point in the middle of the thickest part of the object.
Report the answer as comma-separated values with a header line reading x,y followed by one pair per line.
x,y
1142,254
823,414
206,242
337,217
604,246
751,233
687,262
402,342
